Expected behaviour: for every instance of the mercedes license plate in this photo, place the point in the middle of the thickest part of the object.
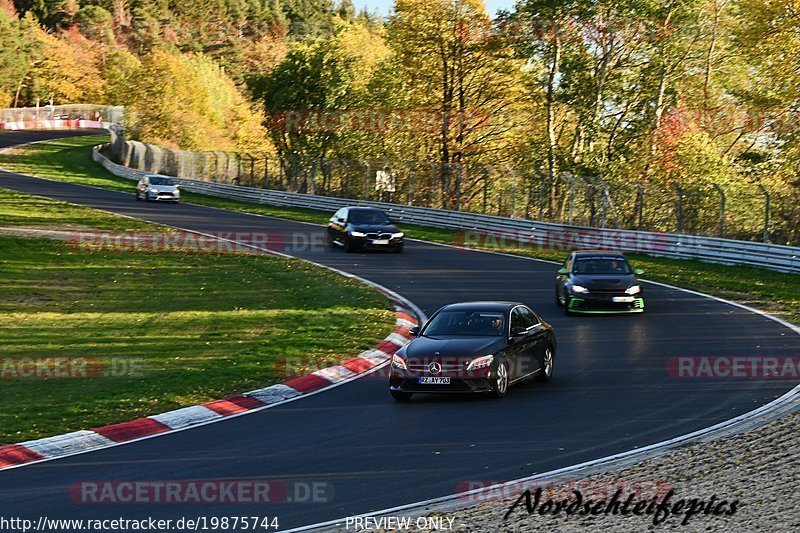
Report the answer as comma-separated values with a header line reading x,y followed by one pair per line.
x,y
434,381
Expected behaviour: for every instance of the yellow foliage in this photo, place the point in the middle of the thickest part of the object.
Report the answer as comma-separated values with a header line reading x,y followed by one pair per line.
x,y
68,69
265,54
187,102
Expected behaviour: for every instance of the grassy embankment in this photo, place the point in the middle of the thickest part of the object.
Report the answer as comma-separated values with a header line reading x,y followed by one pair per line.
x,y
191,326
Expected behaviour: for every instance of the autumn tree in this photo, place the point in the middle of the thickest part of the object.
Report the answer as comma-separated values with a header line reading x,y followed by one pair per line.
x,y
451,65
187,102
18,52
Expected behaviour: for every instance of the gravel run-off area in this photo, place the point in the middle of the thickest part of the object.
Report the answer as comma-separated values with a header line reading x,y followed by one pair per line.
x,y
759,469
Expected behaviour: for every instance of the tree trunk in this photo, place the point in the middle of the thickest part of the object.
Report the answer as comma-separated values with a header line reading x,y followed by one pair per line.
x,y
551,128
709,55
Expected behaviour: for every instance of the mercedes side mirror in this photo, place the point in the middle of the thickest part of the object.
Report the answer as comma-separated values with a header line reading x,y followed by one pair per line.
x,y
563,271
414,331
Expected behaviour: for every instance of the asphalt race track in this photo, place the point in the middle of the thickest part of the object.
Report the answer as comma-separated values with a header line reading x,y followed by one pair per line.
x,y
611,391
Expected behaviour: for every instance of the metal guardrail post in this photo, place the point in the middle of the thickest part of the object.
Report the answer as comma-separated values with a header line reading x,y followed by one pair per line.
x,y
311,177
238,180
485,172
458,186
639,209
346,182
435,169
328,183
513,191
721,210
295,172
543,192
412,167
252,169
366,179
766,211
679,190
571,200
227,165
266,170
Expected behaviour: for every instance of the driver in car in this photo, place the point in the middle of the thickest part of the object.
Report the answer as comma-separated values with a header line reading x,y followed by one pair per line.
x,y
616,267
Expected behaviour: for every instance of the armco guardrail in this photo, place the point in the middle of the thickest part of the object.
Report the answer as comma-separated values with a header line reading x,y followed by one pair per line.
x,y
487,230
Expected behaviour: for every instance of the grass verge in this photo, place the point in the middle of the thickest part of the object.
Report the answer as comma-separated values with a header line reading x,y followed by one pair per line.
x,y
160,330
774,292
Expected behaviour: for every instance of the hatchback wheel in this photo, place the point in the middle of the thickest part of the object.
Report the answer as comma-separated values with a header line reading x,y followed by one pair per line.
x,y
500,383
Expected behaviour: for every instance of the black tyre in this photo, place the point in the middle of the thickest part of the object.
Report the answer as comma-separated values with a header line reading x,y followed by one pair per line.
x,y
500,381
398,250
331,242
400,396
348,245
548,359
138,198
559,303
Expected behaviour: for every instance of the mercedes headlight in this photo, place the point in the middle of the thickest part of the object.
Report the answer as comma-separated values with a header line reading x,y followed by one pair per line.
x,y
397,235
636,289
398,362
579,289
358,234
480,362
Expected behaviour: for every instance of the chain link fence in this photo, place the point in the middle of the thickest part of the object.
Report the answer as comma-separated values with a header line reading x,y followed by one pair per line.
x,y
746,212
